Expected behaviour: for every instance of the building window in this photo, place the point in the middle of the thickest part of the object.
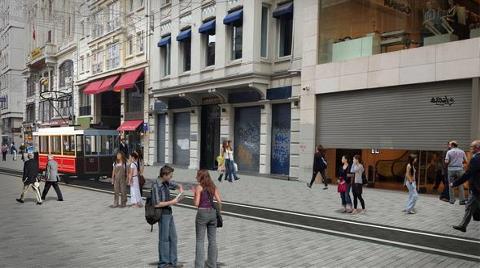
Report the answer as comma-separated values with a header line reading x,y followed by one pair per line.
x,y
82,64
210,50
130,5
236,42
140,3
46,111
285,36
134,99
113,56
187,53
85,105
264,32
30,113
130,45
165,52
64,107
30,87
66,73
97,62
140,42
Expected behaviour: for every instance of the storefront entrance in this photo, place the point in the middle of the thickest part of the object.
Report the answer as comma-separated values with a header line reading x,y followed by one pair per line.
x,y
161,138
247,138
280,155
210,136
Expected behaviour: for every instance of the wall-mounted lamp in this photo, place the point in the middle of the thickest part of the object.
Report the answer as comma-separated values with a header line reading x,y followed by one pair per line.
x,y
306,88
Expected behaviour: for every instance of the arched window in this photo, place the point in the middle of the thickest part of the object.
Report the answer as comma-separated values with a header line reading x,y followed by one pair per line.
x,y
65,73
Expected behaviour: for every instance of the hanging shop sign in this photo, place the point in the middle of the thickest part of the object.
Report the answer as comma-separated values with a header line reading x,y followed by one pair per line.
x,y
35,53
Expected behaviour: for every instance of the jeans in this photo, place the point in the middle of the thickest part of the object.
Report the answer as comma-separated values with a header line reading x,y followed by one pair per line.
x,y
167,241
35,190
452,175
473,205
48,184
346,196
206,221
412,196
230,170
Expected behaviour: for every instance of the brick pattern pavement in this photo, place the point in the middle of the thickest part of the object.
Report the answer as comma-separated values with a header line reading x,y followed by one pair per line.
x,y
383,206
84,232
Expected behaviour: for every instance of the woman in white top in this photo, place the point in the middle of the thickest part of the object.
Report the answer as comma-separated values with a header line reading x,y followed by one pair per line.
x,y
357,169
411,185
229,163
135,196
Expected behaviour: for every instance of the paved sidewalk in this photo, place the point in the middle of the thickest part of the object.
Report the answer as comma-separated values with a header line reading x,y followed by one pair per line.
x,y
383,206
83,231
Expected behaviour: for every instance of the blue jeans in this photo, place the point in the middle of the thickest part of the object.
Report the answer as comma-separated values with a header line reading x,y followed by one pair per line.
x,y
167,241
412,196
230,170
346,200
206,222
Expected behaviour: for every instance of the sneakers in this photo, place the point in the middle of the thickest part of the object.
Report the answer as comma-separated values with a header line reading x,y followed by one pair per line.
x,y
325,188
308,185
460,228
20,200
39,203
411,212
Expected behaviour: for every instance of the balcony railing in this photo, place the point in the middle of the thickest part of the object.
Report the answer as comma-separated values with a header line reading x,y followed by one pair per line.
x,y
85,110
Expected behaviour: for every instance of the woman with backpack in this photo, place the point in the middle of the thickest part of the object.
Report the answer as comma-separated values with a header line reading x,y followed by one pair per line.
x,y
133,181
357,169
119,180
206,220
345,184
411,185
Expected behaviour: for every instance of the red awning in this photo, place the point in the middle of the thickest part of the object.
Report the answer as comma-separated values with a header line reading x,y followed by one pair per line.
x,y
92,87
107,84
128,80
130,125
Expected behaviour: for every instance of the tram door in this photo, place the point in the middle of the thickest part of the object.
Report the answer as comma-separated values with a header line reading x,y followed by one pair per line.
x,y
91,154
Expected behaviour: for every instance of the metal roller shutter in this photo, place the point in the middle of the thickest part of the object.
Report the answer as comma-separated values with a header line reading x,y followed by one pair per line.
x,y
181,139
396,118
161,138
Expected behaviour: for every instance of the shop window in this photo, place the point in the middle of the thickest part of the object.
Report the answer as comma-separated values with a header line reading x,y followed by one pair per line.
x,y
236,41
43,144
56,145
68,145
264,32
351,29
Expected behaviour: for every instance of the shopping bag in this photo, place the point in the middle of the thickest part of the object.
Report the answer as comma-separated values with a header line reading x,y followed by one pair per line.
x,y
235,167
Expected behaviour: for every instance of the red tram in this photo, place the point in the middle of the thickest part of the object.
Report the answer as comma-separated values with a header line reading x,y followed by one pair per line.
x,y
87,152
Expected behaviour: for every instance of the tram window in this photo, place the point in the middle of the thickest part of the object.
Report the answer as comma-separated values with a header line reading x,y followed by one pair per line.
x,y
91,147
79,145
43,145
56,144
69,145
107,145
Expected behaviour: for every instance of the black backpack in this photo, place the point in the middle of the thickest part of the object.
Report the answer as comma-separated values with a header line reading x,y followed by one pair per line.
x,y
152,214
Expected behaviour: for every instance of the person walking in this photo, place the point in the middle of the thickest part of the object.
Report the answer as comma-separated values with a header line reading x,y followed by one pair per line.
x,y
14,152
22,151
167,234
140,169
119,180
410,175
472,174
319,166
133,182
455,159
206,220
52,179
30,175
4,152
344,185
123,147
230,163
222,167
357,169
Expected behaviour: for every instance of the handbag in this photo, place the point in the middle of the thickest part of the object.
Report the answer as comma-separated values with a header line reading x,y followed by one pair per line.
x,y
342,186
219,215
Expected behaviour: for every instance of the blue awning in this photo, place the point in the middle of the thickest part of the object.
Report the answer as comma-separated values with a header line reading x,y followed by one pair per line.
x,y
165,40
234,18
283,10
207,27
184,35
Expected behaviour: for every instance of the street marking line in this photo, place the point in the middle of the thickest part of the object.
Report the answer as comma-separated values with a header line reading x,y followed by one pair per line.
x,y
385,241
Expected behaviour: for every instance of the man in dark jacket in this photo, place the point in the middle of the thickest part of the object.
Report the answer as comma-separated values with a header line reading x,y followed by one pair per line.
x,y
123,147
473,176
30,175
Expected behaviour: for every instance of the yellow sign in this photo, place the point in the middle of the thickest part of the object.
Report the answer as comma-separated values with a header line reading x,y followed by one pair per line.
x,y
35,53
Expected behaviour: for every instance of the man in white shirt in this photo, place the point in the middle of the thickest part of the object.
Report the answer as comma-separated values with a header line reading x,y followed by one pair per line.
x,y
455,159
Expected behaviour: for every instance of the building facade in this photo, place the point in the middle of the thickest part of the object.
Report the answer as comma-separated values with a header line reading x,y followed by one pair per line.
x,y
384,79
113,69
226,70
12,48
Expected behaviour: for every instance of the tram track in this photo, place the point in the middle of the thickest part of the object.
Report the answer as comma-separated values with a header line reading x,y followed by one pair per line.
x,y
429,242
